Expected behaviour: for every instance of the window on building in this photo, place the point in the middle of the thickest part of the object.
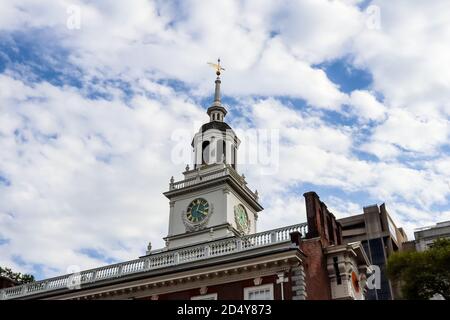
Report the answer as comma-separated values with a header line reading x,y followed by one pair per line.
x,y
212,296
205,152
221,151
233,157
264,292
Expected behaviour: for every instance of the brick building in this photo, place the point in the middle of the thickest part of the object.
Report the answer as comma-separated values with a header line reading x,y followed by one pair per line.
x,y
213,249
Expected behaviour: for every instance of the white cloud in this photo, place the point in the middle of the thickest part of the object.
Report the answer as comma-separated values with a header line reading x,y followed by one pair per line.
x,y
343,208
318,30
132,41
407,57
382,150
282,211
412,133
366,106
313,152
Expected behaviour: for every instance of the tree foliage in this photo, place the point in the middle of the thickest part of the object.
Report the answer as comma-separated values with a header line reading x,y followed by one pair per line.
x,y
16,276
422,274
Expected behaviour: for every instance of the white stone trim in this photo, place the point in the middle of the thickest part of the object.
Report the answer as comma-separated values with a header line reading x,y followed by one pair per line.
x,y
211,296
298,279
248,290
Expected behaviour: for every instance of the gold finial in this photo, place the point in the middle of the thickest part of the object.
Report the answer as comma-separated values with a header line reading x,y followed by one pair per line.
x,y
217,66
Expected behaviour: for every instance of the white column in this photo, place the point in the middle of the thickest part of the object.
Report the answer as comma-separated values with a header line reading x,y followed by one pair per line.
x,y
281,280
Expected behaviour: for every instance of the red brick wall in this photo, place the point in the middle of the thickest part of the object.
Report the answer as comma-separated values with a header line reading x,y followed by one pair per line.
x,y
229,291
321,222
317,281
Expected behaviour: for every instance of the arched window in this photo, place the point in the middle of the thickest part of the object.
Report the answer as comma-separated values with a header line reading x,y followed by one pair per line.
x,y
224,153
205,152
219,152
233,157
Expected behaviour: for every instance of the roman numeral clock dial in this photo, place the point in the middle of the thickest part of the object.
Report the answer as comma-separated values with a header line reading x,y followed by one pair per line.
x,y
197,210
241,219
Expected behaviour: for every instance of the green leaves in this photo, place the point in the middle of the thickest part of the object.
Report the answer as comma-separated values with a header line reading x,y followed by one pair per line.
x,y
422,274
16,276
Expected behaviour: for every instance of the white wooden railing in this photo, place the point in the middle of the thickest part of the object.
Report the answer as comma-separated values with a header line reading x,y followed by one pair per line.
x,y
156,261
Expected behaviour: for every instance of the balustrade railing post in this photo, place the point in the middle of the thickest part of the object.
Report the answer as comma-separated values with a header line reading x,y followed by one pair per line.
x,y
24,289
147,264
207,251
2,295
239,244
176,258
273,237
94,275
119,271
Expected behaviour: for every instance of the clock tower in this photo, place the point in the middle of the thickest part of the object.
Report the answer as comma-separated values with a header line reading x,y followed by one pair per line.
x,y
213,200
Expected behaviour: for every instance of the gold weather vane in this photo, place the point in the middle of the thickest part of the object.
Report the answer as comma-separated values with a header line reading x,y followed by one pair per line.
x,y
217,66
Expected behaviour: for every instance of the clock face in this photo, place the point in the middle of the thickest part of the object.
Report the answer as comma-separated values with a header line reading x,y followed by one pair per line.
x,y
241,218
197,210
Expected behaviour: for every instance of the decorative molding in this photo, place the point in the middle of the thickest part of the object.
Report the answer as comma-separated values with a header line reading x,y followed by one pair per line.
x,y
194,280
257,281
237,275
226,175
298,279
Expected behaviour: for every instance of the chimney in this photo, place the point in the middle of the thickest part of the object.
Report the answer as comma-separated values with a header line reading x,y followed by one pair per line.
x,y
321,222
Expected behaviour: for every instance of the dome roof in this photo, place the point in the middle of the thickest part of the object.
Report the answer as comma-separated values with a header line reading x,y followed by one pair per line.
x,y
215,125
218,125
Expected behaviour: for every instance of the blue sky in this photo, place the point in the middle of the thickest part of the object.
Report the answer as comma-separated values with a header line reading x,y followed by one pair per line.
x,y
92,107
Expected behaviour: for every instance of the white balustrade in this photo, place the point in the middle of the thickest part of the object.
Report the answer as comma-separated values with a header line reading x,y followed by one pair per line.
x,y
159,261
210,176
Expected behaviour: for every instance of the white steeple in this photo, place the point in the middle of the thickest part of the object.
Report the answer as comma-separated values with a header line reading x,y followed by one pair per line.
x,y
217,111
213,200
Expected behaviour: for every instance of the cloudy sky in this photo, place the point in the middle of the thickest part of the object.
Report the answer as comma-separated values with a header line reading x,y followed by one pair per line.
x,y
95,96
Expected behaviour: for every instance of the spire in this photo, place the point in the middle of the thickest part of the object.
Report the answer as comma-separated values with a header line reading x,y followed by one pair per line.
x,y
217,91
216,111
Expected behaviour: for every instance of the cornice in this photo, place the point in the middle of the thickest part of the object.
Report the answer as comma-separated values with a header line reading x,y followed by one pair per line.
x,y
193,278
